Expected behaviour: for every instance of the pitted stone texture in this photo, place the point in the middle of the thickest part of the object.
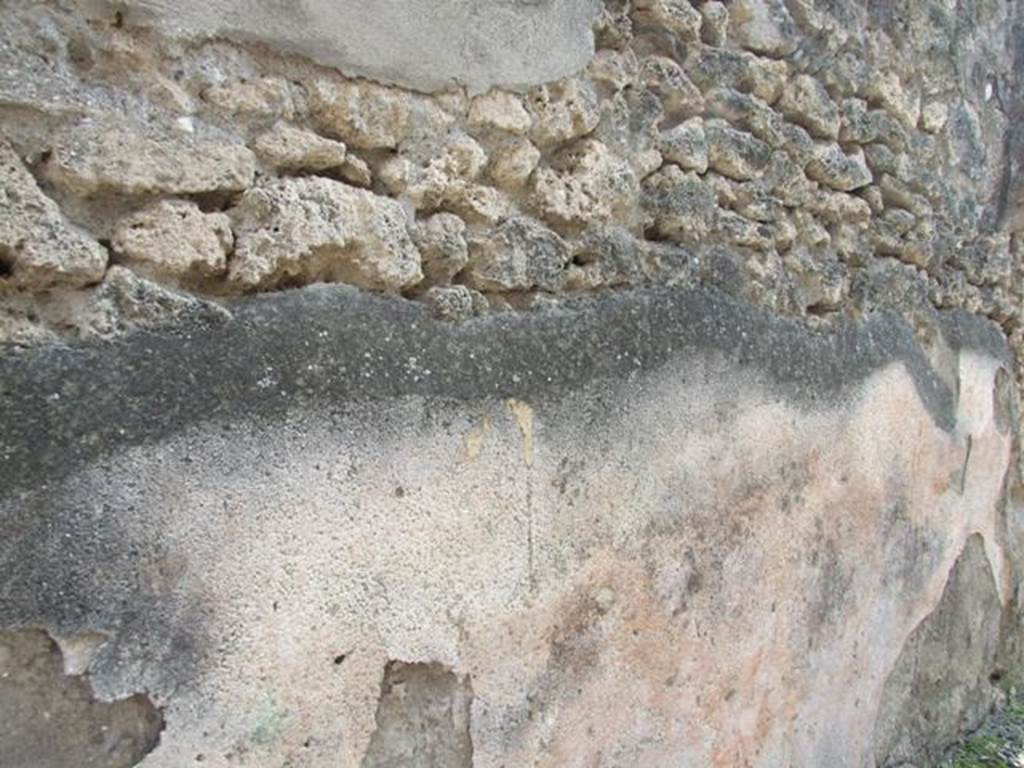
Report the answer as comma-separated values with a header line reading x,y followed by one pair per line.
x,y
686,145
499,110
585,185
297,231
441,240
735,154
260,97
370,116
455,303
679,205
763,26
287,148
174,239
512,162
446,179
518,255
750,113
715,27
839,170
805,101
711,67
679,16
125,301
666,79
562,111
95,159
39,248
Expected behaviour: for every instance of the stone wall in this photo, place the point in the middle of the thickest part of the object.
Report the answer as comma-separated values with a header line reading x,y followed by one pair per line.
x,y
512,383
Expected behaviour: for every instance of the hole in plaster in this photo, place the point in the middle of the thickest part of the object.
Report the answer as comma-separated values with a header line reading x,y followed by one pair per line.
x,y
423,718
53,719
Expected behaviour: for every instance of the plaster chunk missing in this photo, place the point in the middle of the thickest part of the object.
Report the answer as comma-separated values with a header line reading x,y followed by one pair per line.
x,y
52,720
941,681
423,718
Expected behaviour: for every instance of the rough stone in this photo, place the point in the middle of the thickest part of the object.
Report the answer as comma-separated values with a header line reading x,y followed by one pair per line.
x,y
441,240
763,26
268,97
715,27
356,171
839,170
446,180
677,16
585,184
613,27
749,113
822,282
299,231
95,159
512,162
455,303
39,248
666,79
805,101
125,302
856,125
499,110
934,116
287,148
562,111
719,67
607,256
174,239
519,255
614,69
369,116
885,90
686,145
629,126
839,208
679,205
735,154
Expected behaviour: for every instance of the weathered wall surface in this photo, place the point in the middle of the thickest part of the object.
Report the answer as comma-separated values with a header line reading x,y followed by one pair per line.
x,y
656,406
423,45
644,531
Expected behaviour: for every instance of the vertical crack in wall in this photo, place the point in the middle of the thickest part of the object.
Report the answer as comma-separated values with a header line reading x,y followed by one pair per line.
x,y
423,718
52,720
